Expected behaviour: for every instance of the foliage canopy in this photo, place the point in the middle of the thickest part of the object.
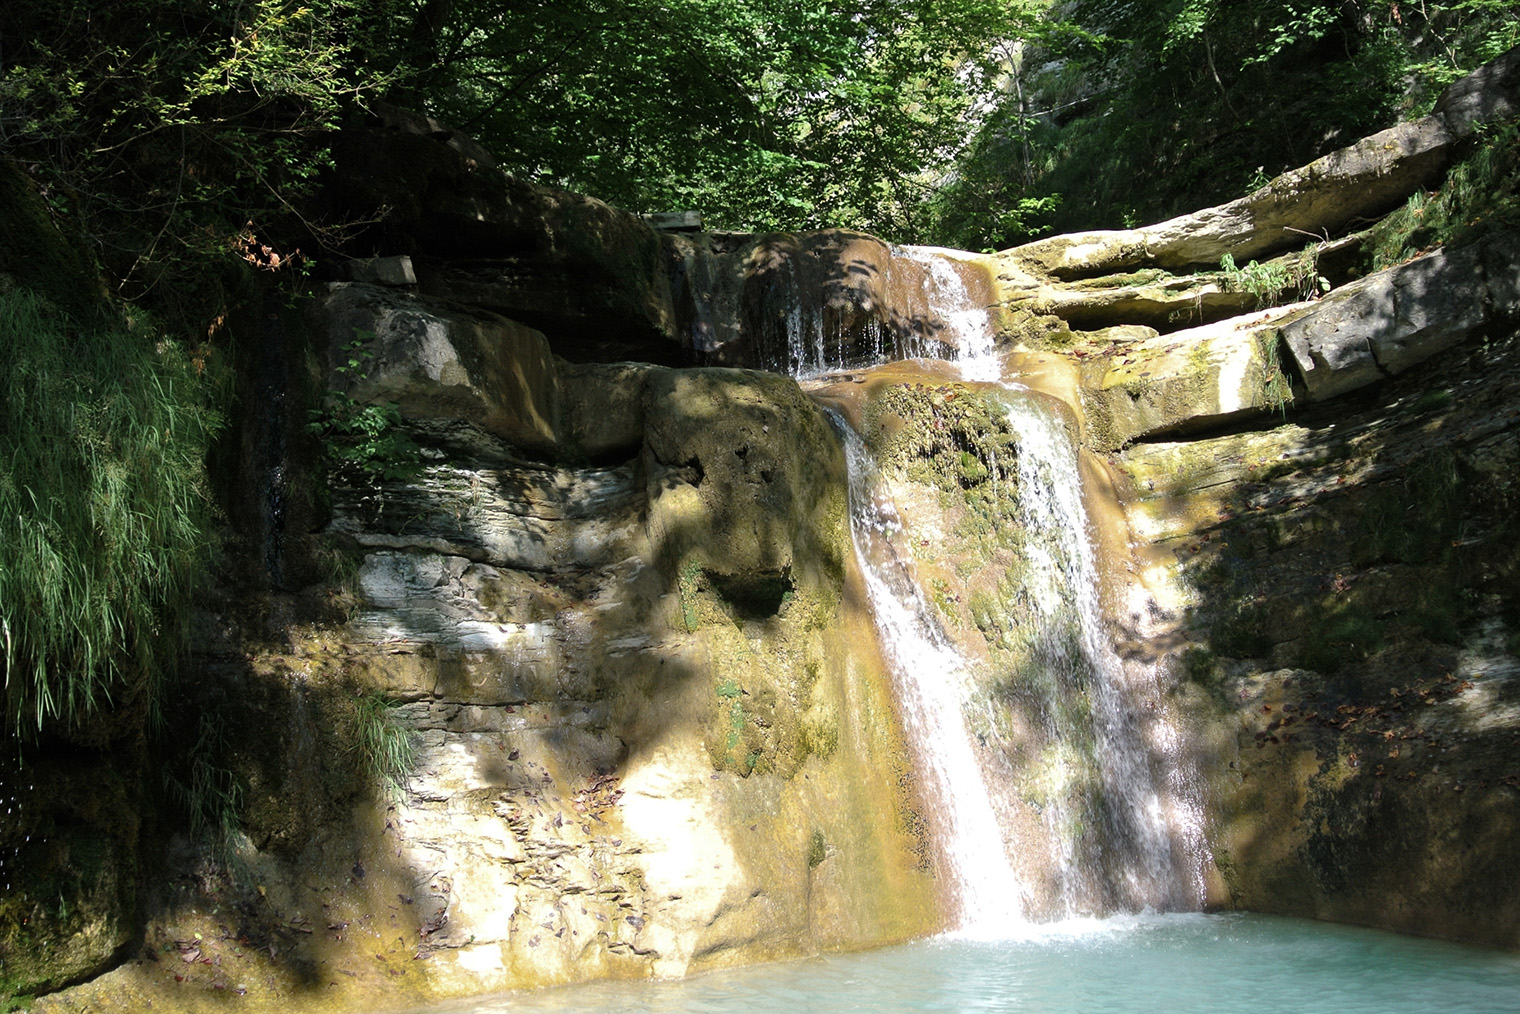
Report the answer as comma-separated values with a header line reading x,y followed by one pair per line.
x,y
1157,107
189,137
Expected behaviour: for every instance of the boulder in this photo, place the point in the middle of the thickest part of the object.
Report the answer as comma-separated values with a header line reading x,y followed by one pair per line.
x,y
590,276
440,363
1190,379
1396,318
1152,299
380,271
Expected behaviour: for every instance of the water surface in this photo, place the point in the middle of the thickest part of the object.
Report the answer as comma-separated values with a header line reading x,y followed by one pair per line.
x,y
1177,964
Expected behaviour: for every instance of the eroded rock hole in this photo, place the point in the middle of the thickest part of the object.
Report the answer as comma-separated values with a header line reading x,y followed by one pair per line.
x,y
754,596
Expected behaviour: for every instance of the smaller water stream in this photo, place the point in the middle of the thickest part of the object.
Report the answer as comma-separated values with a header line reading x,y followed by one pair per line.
x,y
1122,825
949,298
931,683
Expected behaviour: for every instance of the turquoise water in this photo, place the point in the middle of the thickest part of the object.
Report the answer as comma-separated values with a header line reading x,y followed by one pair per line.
x,y
1177,964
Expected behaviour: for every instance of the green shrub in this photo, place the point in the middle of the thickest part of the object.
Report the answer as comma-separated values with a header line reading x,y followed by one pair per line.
x,y
365,441
1482,193
104,509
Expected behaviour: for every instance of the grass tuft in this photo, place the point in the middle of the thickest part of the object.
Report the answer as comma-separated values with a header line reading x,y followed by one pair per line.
x,y
104,509
384,748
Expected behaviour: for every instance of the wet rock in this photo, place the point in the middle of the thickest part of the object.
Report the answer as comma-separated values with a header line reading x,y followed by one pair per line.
x,y
811,302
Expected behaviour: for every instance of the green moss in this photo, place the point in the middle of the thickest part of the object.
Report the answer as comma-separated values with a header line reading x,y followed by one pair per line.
x,y
1432,401
1130,280
1199,665
1276,387
1033,330
1414,519
1045,672
943,598
817,737
1440,620
736,723
958,441
818,849
1340,631
688,585
1000,613
1240,630
14,995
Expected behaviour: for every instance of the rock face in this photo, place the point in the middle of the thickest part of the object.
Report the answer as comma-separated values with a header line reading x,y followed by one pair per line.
x,y
642,676
1397,318
1340,594
72,855
1319,506
600,635
606,285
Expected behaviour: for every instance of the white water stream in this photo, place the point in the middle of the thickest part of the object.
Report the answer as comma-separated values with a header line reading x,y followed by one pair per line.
x,y
1127,839
932,686
1143,857
948,297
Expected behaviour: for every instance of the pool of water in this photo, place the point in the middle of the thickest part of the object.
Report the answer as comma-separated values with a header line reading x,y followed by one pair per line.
x,y
1173,963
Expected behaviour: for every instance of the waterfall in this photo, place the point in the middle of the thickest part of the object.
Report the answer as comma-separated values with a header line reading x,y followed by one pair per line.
x,y
1142,858
931,682
1121,824
809,304
949,298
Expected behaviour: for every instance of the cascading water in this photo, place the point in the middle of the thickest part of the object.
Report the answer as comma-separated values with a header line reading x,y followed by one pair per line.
x,y
815,303
950,300
931,682
1089,704
1121,831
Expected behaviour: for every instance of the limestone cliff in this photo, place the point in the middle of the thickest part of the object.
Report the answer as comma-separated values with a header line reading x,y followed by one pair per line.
x,y
536,663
